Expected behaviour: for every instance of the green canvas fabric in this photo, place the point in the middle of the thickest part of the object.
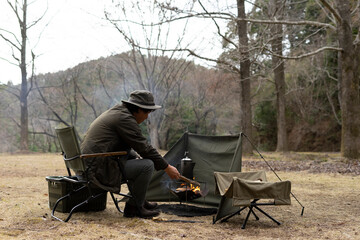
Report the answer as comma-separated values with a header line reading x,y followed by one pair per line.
x,y
70,145
244,187
224,180
210,154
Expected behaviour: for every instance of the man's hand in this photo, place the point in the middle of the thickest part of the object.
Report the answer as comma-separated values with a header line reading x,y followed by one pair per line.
x,y
172,172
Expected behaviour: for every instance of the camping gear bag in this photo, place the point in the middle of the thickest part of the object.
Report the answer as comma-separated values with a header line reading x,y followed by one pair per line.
x,y
59,188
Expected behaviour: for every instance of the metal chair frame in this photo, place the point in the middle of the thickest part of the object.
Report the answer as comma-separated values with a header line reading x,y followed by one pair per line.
x,y
253,205
86,183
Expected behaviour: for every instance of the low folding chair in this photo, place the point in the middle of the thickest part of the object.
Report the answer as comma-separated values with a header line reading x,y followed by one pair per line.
x,y
74,161
247,190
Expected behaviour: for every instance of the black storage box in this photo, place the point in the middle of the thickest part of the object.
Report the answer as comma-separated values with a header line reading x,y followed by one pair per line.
x,y
59,187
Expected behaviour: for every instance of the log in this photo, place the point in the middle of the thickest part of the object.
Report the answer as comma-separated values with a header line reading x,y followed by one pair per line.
x,y
185,179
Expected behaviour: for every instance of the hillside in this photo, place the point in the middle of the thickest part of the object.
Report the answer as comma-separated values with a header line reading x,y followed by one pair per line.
x,y
194,98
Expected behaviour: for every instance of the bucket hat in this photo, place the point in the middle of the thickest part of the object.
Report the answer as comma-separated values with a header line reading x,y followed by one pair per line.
x,y
143,99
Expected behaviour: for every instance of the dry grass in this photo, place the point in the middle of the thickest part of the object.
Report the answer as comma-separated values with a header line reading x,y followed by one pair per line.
x,y
330,199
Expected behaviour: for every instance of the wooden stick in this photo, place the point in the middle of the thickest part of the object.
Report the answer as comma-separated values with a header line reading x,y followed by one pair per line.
x,y
107,154
189,181
159,219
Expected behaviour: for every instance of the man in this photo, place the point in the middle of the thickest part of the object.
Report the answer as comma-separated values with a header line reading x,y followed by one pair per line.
x,y
117,129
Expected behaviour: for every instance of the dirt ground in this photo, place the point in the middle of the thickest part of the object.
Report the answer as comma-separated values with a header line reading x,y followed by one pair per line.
x,y
326,185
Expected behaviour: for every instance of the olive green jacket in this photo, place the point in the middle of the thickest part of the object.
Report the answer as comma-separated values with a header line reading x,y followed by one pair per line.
x,y
115,130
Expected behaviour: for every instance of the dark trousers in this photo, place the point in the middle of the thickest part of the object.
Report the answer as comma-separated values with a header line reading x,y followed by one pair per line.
x,y
139,173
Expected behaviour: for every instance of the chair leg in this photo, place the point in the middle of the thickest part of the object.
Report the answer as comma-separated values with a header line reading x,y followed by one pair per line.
x,y
61,199
256,217
116,202
266,214
247,217
55,206
91,198
233,214
74,208
253,205
251,211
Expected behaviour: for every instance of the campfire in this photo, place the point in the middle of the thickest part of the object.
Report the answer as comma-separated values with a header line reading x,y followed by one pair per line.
x,y
192,188
187,192
188,189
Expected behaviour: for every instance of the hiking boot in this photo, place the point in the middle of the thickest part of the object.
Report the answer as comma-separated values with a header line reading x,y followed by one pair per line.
x,y
132,211
129,210
144,213
150,205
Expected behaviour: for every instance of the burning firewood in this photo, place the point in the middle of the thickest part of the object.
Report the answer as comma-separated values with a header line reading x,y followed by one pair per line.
x,y
188,188
189,181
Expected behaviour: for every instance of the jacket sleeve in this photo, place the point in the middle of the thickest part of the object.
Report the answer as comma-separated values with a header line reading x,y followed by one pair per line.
x,y
130,133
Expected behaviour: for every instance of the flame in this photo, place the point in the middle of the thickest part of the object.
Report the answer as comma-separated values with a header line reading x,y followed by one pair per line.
x,y
191,187
195,189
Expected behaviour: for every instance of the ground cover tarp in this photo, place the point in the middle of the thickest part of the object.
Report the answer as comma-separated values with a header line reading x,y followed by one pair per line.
x,y
210,154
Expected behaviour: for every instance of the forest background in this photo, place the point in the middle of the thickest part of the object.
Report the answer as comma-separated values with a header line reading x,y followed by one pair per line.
x,y
281,77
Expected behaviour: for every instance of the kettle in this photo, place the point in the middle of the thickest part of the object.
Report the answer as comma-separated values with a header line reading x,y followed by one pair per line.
x,y
187,167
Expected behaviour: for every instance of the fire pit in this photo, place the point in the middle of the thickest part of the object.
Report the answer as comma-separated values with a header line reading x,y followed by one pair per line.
x,y
188,192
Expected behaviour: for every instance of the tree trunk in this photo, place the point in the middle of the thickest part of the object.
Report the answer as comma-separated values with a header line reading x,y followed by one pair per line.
x,y
280,97
153,129
349,84
24,133
245,95
279,76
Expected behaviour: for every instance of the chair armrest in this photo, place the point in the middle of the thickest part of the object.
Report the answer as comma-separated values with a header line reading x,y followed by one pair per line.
x,y
107,154
68,179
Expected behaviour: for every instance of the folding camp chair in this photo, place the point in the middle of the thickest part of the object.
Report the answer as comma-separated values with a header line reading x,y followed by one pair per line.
x,y
74,161
247,189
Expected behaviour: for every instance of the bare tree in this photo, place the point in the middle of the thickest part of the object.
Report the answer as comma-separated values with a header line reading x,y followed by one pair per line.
x,y
343,16
20,54
207,93
348,21
276,10
146,64
61,101
245,92
344,37
341,19
239,62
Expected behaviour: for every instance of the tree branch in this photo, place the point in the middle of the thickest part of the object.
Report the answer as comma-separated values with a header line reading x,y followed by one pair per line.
x,y
356,9
86,101
6,88
43,133
16,123
306,54
229,17
218,28
9,61
15,10
48,105
8,40
39,19
332,10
